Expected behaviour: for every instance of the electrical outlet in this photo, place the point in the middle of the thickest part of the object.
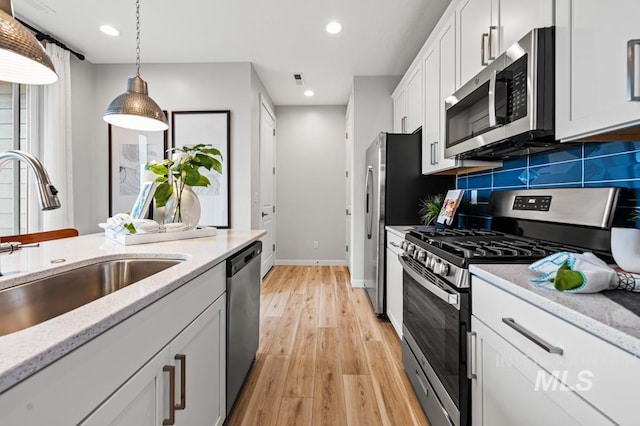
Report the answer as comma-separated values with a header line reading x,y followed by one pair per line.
x,y
315,244
474,196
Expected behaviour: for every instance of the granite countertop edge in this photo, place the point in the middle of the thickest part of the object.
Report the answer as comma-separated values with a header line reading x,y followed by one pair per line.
x,y
498,275
25,352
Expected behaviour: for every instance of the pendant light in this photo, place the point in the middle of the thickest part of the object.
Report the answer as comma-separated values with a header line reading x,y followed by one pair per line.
x,y
22,57
134,109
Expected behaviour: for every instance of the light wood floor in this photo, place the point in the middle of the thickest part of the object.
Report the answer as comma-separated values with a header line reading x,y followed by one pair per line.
x,y
324,357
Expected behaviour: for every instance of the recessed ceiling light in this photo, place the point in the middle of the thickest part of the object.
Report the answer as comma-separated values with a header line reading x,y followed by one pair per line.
x,y
333,27
308,93
109,30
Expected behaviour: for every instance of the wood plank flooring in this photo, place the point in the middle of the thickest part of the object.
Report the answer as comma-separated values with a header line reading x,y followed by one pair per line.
x,y
324,357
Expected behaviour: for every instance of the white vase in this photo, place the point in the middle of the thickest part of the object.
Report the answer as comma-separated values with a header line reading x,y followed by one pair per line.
x,y
187,211
625,247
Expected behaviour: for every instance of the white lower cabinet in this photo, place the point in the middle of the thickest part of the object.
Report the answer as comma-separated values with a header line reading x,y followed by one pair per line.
x,y
534,368
194,363
123,376
511,389
394,282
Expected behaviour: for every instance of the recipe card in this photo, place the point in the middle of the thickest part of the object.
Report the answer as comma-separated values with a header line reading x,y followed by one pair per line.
x,y
449,206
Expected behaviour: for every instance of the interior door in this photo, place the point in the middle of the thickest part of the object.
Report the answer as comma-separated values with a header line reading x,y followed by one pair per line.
x,y
267,184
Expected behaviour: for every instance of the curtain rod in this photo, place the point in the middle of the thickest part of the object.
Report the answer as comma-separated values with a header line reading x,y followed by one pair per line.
x,y
42,36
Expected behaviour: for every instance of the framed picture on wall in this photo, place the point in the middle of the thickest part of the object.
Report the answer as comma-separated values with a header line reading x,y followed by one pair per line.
x,y
129,150
190,128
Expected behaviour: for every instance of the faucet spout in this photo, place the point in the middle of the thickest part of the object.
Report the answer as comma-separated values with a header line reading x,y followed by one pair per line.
x,y
47,192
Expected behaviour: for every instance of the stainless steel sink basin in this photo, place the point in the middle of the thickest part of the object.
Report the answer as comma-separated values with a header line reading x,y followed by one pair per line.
x,y
31,303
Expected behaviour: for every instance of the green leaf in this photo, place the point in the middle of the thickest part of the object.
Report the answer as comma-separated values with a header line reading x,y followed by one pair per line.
x,y
211,151
566,278
205,161
161,179
129,227
162,194
191,175
203,181
158,168
217,166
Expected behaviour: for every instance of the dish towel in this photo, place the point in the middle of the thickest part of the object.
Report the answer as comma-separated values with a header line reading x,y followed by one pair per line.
x,y
580,273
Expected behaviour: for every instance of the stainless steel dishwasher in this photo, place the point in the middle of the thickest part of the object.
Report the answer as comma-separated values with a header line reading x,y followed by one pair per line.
x,y
243,316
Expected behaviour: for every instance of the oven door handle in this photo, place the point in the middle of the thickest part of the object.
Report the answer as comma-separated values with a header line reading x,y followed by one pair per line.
x,y
448,297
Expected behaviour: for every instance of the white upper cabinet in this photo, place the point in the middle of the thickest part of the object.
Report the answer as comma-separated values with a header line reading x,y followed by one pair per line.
x,y
408,102
594,65
474,21
487,27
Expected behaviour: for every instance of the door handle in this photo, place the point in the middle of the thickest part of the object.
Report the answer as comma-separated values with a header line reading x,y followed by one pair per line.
x,y
491,30
633,77
431,155
369,212
471,355
482,39
533,337
263,214
182,359
492,99
172,395
435,152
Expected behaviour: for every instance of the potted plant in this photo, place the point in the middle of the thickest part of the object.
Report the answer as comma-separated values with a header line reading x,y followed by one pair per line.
x,y
430,208
625,245
176,176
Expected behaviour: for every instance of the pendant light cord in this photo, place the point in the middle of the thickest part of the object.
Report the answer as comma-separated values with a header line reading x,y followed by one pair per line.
x,y
138,37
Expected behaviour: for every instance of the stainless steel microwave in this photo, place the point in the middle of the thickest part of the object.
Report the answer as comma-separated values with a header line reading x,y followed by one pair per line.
x,y
508,109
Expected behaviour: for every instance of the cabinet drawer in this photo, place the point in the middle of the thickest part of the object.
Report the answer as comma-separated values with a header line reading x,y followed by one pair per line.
x,y
394,241
599,372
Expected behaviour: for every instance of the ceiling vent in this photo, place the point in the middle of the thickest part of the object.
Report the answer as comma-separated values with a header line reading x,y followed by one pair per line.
x,y
297,77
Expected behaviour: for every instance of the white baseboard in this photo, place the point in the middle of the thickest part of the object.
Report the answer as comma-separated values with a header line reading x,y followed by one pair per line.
x,y
357,283
310,262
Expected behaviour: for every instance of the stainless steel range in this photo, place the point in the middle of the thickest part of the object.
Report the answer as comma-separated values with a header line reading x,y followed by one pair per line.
x,y
527,225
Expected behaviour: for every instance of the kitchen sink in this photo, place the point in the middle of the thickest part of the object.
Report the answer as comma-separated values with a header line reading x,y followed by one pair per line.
x,y
36,301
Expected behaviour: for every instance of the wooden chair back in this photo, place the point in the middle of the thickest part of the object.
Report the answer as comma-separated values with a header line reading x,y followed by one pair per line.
x,y
38,237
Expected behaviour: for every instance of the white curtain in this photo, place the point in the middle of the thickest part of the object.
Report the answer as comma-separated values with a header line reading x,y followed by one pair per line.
x,y
56,140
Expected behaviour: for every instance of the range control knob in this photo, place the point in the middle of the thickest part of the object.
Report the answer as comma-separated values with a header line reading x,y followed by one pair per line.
x,y
410,249
444,269
422,255
404,245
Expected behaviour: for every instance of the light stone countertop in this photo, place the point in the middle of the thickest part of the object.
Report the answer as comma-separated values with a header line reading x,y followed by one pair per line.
x,y
399,230
593,313
27,351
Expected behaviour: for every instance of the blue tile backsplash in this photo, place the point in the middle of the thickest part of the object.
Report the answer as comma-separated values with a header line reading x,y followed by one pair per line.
x,y
586,165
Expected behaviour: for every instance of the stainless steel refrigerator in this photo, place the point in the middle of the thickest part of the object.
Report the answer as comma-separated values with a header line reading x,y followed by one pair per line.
x,y
394,187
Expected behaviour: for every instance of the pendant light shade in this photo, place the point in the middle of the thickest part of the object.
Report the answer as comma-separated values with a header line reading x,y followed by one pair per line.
x,y
134,109
22,57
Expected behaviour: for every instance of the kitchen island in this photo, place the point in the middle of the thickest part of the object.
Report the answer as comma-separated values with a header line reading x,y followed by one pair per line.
x,y
145,314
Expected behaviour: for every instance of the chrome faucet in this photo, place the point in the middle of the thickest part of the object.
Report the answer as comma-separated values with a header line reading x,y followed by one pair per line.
x,y
47,192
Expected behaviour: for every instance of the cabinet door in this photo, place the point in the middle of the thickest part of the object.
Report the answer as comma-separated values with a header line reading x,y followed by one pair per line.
x,y
414,100
511,389
474,20
518,17
199,356
432,113
141,401
399,111
591,66
394,283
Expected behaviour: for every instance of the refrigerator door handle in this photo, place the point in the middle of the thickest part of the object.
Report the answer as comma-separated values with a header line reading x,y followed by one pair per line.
x,y
369,212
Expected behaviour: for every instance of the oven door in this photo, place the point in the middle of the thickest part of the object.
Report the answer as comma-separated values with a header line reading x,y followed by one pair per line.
x,y
436,318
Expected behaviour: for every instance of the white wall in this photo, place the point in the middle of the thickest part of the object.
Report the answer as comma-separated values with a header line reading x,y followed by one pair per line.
x,y
181,87
83,113
310,182
372,114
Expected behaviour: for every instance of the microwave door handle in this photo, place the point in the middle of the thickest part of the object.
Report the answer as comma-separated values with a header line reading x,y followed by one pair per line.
x,y
368,201
492,99
633,77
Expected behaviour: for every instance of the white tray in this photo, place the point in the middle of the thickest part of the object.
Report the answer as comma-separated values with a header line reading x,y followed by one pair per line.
x,y
132,239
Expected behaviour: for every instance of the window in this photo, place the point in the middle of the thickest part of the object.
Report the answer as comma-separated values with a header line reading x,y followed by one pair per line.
x,y
16,116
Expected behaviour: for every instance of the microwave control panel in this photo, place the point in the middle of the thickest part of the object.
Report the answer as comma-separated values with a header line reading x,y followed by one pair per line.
x,y
539,203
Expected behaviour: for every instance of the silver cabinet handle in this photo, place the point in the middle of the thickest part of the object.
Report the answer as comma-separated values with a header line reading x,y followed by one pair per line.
x,y
533,337
633,76
435,152
492,98
183,381
471,355
431,155
172,395
491,30
483,62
